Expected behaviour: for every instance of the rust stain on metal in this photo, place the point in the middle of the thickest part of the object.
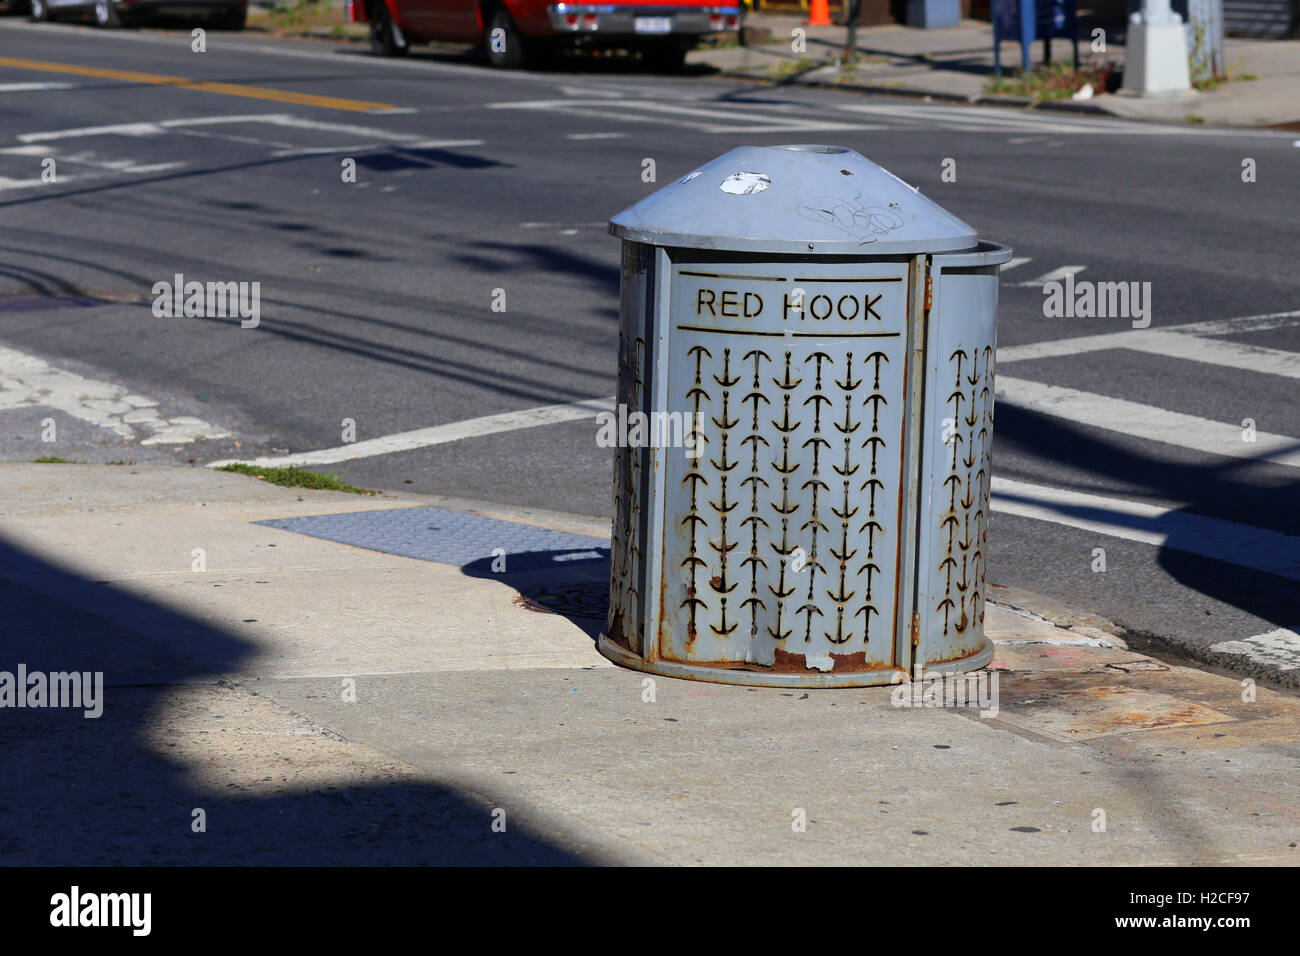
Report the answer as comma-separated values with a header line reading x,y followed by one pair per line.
x,y
614,634
857,661
787,662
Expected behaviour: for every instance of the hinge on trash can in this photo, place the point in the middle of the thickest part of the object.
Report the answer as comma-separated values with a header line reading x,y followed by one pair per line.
x,y
929,292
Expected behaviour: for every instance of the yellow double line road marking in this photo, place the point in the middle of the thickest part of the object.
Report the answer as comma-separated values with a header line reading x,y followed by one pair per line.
x,y
203,86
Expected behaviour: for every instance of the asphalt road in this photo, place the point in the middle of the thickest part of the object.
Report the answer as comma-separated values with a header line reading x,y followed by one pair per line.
x,y
376,296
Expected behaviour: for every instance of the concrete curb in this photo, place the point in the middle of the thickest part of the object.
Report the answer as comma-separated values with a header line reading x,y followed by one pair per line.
x,y
922,94
1237,666
1051,611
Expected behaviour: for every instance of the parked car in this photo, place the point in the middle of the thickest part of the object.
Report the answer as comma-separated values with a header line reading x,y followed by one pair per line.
x,y
223,14
517,33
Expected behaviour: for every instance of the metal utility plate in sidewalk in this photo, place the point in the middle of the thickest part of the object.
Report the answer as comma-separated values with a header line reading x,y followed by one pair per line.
x,y
1082,713
1075,694
563,572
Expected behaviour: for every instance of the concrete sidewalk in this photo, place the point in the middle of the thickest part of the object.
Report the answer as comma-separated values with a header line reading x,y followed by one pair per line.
x,y
321,702
957,64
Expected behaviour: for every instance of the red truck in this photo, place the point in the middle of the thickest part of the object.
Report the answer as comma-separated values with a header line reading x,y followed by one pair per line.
x,y
518,33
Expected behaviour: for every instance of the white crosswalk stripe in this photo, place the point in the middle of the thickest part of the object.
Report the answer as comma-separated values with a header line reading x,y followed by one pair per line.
x,y
1195,342
719,119
708,117
1258,549
1147,421
1056,275
1244,546
1002,119
96,152
1278,648
29,382
438,434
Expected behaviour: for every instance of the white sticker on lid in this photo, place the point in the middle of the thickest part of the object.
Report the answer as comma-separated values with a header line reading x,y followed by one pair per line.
x,y
745,184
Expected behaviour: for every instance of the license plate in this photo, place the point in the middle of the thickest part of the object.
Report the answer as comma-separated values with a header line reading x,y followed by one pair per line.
x,y
654,24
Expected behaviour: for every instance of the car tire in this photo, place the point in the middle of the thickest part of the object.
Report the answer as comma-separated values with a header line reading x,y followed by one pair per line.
x,y
232,19
106,15
668,56
39,11
510,51
385,38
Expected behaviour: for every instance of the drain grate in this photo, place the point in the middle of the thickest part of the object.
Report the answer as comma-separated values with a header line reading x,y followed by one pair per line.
x,y
587,601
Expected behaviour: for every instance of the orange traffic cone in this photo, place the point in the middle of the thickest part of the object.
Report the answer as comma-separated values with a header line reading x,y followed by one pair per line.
x,y
819,14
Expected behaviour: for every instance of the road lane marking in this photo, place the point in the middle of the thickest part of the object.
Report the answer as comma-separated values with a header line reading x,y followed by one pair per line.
x,y
693,117
1056,275
7,183
1018,261
1279,648
40,143
113,165
1147,422
1193,342
286,120
32,87
610,93
437,434
202,86
1250,358
300,122
1266,322
116,129
29,382
965,118
1243,545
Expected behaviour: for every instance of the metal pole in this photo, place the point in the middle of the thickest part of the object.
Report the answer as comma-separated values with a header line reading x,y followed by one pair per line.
x,y
851,37
1028,24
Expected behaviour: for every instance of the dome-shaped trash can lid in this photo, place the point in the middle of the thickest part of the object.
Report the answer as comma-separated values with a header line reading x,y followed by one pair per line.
x,y
793,199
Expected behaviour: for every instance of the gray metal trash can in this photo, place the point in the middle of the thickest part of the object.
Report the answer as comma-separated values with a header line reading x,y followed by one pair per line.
x,y
820,336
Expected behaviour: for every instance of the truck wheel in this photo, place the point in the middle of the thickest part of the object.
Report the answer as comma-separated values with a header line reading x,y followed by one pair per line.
x,y
232,19
40,11
507,48
668,56
385,37
106,14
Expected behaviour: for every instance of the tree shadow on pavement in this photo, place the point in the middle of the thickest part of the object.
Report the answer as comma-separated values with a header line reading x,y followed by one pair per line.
x,y
113,790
